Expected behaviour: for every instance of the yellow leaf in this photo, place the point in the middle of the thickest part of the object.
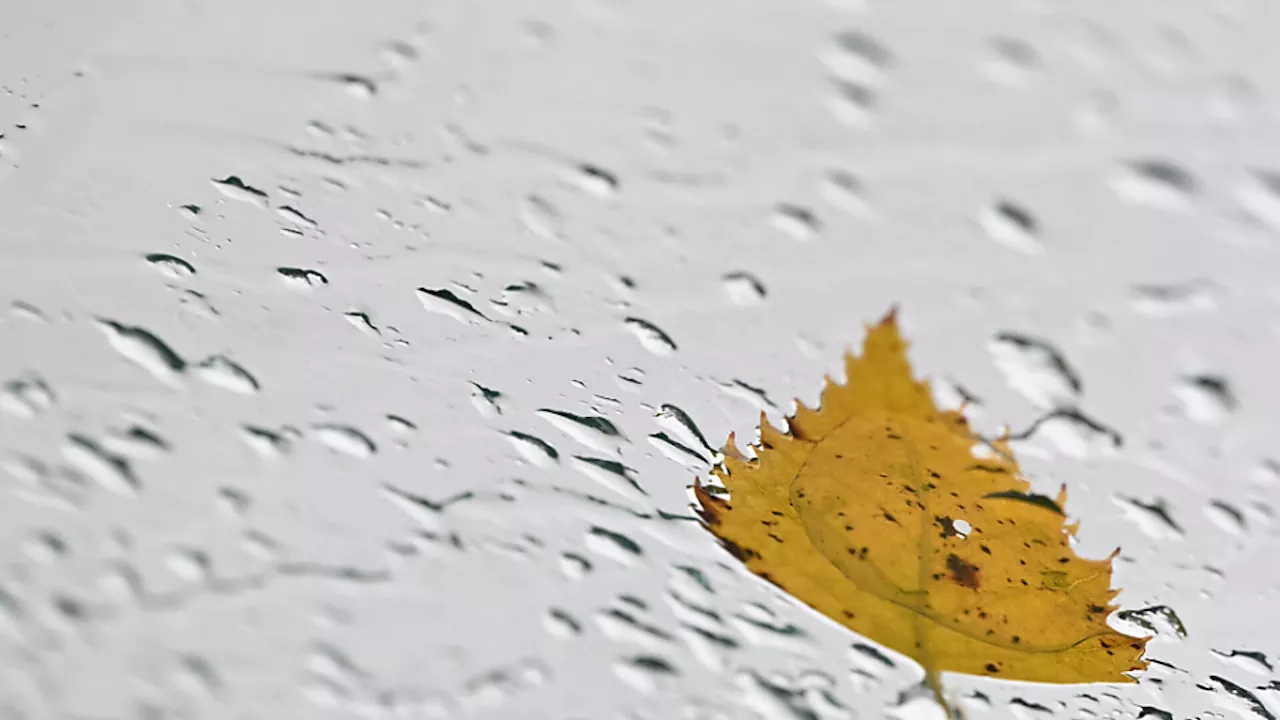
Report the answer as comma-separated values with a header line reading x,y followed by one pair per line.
x,y
876,511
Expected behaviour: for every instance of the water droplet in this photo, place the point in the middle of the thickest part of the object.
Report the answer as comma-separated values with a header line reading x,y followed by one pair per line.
x,y
613,546
1237,699
236,189
488,402
1011,61
302,278
1013,226
1159,184
171,267
677,451
269,443
109,470
1152,518
651,337
612,475
856,56
221,371
560,623
1175,299
295,216
534,450
1035,369
145,350
678,422
542,218
592,431
345,439
644,673
743,288
574,566
27,396
845,191
443,301
1205,399
796,222
1226,517
595,180
1074,434
1250,660
137,443
1259,196
852,103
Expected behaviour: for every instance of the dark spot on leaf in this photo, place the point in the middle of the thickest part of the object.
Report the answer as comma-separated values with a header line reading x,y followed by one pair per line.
x,y
991,667
1042,501
963,573
985,549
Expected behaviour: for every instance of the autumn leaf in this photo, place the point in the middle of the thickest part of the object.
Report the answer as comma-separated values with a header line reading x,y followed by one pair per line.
x,y
876,511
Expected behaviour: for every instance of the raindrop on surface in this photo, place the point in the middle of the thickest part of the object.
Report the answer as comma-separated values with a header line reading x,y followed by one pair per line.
x,y
845,191
1012,61
542,218
593,431
796,222
345,439
145,350
1159,184
1205,399
678,422
236,189
487,401
1259,196
534,450
612,475
445,302
170,266
109,470
1175,299
651,337
852,103
221,371
743,288
1013,226
1152,518
27,396
302,278
856,56
1035,369
613,546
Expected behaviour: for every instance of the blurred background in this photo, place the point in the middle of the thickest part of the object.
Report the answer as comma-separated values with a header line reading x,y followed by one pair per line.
x,y
356,358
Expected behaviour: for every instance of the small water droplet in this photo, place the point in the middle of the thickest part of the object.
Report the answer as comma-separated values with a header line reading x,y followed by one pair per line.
x,y
1152,518
1160,184
223,372
443,301
302,278
856,56
236,189
613,546
269,443
1013,226
145,350
487,401
593,431
542,218
1035,369
651,337
796,222
170,266
612,475
1175,299
1011,61
845,191
26,396
109,470
534,450
1205,399
852,103
1259,196
743,288
345,439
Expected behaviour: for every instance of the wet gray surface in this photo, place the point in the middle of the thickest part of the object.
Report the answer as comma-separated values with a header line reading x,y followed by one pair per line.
x,y
356,358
